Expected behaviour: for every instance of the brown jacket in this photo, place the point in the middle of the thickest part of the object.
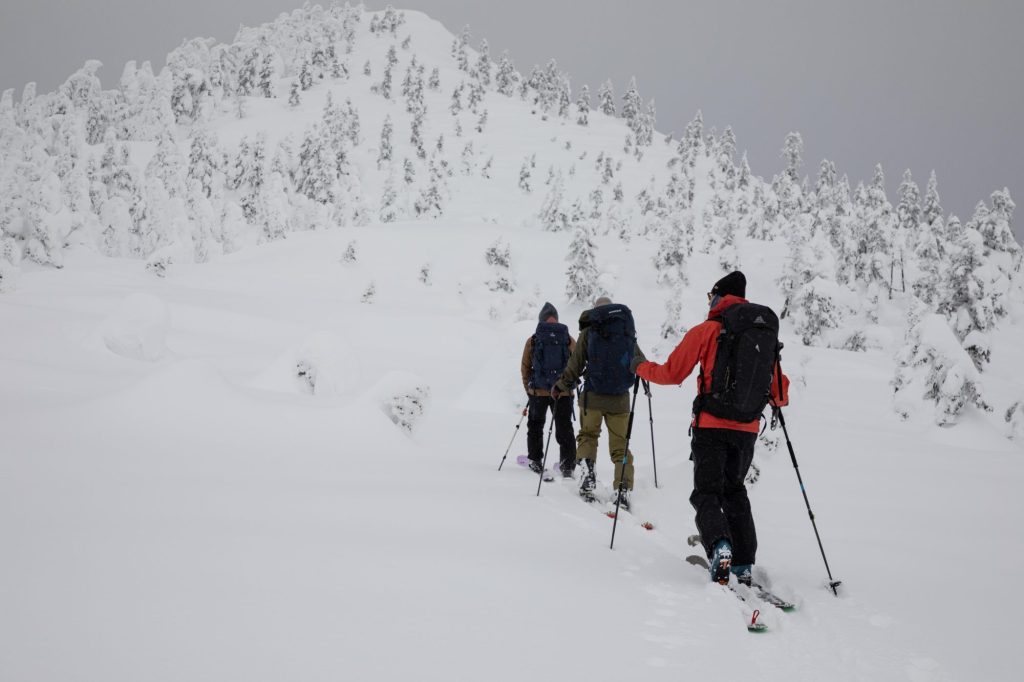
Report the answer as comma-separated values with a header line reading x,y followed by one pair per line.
x,y
526,366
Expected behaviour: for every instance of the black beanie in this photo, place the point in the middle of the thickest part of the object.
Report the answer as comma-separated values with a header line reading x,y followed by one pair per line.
x,y
547,311
734,284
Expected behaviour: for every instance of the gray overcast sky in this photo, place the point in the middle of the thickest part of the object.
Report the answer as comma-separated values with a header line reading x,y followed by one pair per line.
x,y
917,84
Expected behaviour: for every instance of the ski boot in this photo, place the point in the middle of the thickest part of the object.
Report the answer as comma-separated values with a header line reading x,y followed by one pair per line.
x,y
743,572
721,561
622,499
588,482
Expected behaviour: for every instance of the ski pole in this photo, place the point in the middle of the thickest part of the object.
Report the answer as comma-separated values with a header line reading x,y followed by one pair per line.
x,y
650,411
514,433
544,460
625,461
832,583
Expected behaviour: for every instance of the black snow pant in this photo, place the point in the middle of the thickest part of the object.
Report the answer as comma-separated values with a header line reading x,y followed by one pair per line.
x,y
721,458
539,407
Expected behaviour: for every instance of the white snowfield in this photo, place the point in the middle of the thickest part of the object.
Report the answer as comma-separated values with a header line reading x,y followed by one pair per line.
x,y
168,521
282,464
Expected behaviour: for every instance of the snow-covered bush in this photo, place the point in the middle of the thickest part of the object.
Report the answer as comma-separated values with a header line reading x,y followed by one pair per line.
x,y
350,253
499,257
138,328
403,397
322,364
1015,421
370,293
10,257
406,408
828,315
933,367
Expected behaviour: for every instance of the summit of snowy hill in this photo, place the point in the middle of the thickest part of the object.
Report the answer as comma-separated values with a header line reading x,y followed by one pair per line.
x,y
264,313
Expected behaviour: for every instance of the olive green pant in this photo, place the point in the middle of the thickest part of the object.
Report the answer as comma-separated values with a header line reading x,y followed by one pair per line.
x,y
590,432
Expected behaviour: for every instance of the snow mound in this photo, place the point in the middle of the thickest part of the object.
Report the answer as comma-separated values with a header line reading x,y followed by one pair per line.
x,y
138,328
403,397
321,365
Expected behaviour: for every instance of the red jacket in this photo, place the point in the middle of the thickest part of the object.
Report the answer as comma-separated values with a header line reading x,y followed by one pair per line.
x,y
700,344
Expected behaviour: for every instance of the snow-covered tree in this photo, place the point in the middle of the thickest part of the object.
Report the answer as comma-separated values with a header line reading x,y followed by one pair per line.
x,y
792,153
386,151
672,328
874,234
606,99
524,177
968,298
205,162
583,106
631,105
507,76
317,174
305,76
552,213
908,218
483,63
456,102
388,212
930,278
430,202
582,283
408,172
933,367
995,225
931,209
461,56
670,261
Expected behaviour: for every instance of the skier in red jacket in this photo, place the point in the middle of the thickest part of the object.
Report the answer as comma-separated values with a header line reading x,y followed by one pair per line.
x,y
721,449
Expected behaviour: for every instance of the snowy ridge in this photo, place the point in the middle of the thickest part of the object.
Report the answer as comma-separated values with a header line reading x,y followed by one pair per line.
x,y
260,373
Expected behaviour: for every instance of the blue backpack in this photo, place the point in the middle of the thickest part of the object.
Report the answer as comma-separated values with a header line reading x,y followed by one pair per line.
x,y
550,354
610,345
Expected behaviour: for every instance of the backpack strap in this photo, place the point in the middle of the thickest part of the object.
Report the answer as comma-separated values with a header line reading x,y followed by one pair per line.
x,y
698,403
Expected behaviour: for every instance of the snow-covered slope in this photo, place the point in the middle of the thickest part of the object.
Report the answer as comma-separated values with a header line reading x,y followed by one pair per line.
x,y
282,463
168,520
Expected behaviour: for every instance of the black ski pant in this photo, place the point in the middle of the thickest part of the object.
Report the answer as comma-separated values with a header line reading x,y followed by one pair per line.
x,y
721,458
539,407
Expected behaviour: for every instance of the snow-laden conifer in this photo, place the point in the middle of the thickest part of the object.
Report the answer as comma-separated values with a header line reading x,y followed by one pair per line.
x,y
582,275
932,366
606,99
